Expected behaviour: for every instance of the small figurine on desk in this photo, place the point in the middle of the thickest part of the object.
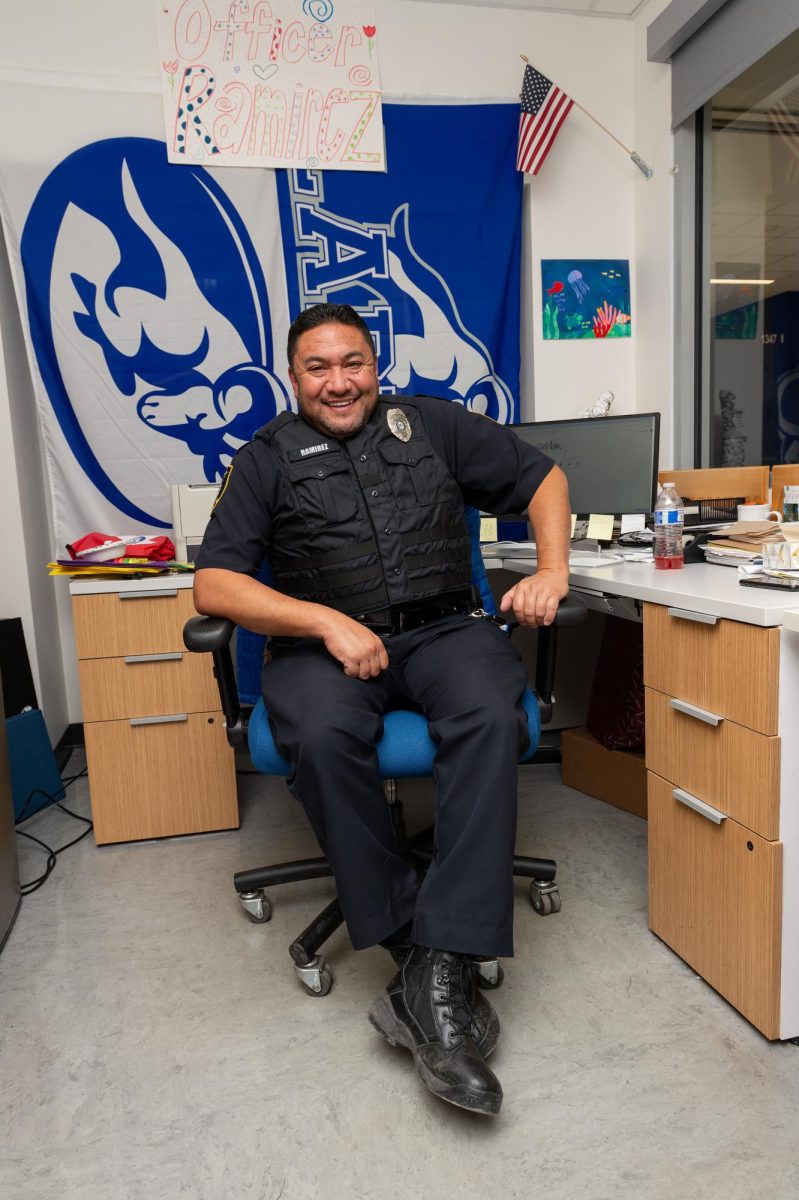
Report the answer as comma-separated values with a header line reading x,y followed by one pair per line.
x,y
600,407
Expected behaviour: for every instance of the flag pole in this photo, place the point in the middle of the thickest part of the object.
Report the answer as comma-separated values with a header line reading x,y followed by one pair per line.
x,y
646,171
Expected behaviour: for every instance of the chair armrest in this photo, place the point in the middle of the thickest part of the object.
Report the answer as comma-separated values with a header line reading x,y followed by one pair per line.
x,y
572,610
212,635
203,635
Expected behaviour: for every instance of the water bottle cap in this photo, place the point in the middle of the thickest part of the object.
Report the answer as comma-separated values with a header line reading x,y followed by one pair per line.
x,y
672,484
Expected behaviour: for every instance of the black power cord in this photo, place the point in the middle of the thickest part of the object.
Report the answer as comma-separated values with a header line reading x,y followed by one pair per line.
x,y
52,855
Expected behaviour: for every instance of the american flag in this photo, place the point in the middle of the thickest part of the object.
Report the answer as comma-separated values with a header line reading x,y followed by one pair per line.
x,y
544,109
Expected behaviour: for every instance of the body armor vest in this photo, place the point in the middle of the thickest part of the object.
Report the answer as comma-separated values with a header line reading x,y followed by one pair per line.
x,y
367,522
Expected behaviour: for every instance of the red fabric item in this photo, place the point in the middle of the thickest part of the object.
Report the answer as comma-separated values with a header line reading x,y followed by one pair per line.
x,y
157,549
88,542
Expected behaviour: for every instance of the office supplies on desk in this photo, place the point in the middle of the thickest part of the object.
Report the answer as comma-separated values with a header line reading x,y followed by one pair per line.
x,y
783,556
588,558
632,523
597,557
788,582
600,526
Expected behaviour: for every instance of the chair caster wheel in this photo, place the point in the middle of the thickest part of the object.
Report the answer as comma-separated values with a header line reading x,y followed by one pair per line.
x,y
256,905
316,978
545,898
488,973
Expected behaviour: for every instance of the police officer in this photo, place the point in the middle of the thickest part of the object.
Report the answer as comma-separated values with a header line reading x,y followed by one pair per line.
x,y
357,502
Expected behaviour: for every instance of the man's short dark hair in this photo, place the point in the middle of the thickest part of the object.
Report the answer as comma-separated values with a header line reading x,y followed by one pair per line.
x,y
326,314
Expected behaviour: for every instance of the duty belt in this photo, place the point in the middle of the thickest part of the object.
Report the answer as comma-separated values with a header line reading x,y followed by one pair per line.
x,y
402,618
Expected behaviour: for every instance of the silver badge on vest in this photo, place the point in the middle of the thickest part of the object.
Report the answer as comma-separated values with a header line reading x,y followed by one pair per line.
x,y
399,424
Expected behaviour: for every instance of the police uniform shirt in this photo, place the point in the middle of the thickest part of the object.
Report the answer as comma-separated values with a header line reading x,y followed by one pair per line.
x,y
495,471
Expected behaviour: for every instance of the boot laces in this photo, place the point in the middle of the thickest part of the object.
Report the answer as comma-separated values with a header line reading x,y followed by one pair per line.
x,y
460,1012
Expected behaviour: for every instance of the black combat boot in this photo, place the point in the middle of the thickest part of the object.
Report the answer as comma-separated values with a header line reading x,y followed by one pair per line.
x,y
427,1009
484,1018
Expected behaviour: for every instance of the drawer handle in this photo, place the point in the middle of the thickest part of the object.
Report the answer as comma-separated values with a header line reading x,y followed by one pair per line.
x,y
159,720
687,614
701,714
699,806
147,595
137,658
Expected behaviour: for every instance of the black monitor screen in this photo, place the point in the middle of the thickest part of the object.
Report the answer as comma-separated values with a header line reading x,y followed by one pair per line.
x,y
610,462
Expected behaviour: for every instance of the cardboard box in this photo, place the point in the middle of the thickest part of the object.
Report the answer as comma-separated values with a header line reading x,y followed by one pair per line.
x,y
616,776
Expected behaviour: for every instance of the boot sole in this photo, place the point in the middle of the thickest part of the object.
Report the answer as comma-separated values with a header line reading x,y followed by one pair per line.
x,y
384,1020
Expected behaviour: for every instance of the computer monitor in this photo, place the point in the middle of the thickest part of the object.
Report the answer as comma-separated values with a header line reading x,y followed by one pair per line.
x,y
610,463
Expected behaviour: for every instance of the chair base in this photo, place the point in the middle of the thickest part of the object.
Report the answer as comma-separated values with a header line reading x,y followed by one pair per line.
x,y
313,972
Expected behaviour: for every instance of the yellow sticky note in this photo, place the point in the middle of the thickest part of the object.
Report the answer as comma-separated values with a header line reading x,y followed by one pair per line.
x,y
574,522
600,526
488,529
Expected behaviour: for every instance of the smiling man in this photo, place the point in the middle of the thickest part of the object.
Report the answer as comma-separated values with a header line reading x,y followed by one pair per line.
x,y
357,502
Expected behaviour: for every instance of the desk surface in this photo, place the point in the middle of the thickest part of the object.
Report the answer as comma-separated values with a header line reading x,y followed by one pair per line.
x,y
96,586
700,587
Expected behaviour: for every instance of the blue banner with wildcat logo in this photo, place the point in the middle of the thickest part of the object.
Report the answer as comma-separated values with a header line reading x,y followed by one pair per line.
x,y
428,253
157,297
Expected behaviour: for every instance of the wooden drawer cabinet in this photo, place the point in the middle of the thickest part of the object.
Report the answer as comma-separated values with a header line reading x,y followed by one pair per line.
x,y
114,623
159,779
715,896
727,667
158,758
147,685
713,762
731,767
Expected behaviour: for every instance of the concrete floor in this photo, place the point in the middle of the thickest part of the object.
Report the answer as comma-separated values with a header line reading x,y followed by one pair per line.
x,y
154,1044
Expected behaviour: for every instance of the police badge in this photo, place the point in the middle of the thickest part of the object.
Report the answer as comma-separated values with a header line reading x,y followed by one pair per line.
x,y
399,424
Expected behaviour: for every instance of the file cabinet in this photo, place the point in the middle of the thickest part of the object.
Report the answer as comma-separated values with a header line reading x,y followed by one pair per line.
x,y
158,759
713,757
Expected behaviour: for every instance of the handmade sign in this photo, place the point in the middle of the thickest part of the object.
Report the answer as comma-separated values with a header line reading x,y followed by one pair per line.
x,y
289,83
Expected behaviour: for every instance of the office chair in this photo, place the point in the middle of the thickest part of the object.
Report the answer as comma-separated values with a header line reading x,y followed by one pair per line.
x,y
405,751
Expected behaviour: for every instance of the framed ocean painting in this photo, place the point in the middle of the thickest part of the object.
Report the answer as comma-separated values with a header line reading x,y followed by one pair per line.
x,y
586,298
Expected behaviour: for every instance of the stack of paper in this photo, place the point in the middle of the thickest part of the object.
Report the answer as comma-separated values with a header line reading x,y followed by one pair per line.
x,y
130,569
741,542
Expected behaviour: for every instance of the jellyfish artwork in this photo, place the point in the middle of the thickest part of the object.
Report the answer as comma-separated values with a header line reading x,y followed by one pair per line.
x,y
579,286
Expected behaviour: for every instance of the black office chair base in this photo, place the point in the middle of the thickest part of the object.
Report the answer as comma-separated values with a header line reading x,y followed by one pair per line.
x,y
312,970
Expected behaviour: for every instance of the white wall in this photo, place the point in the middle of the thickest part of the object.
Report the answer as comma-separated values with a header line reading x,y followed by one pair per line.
x,y
654,236
589,200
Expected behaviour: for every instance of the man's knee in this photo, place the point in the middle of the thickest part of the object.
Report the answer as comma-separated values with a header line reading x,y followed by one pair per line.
x,y
327,739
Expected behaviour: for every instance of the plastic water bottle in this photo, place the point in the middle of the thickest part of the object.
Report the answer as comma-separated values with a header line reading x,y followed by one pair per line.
x,y
669,521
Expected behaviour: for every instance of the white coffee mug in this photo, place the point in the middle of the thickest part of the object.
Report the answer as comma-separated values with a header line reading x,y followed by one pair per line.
x,y
756,512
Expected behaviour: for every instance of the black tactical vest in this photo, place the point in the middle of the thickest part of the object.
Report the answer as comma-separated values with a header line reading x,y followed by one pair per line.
x,y
367,522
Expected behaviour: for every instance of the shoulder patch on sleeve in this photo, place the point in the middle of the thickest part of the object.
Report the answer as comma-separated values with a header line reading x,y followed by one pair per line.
x,y
223,486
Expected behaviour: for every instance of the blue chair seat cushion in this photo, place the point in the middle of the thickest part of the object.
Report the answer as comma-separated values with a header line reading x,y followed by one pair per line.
x,y
405,751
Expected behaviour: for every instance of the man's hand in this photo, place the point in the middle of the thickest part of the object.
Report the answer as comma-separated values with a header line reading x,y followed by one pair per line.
x,y
535,599
360,652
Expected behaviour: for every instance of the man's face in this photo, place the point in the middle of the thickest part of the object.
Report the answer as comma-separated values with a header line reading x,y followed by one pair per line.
x,y
334,379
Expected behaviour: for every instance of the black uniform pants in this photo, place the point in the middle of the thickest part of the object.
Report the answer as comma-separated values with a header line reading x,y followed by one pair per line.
x,y
468,680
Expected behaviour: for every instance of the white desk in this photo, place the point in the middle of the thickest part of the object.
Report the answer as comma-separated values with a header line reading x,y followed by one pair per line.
x,y
701,587
721,671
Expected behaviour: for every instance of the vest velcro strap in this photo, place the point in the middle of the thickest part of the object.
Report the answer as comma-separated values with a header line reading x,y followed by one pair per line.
x,y
415,536
361,601
417,558
310,562
438,583
341,579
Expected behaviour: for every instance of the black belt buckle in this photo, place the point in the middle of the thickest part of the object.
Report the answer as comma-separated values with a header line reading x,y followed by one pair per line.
x,y
390,621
